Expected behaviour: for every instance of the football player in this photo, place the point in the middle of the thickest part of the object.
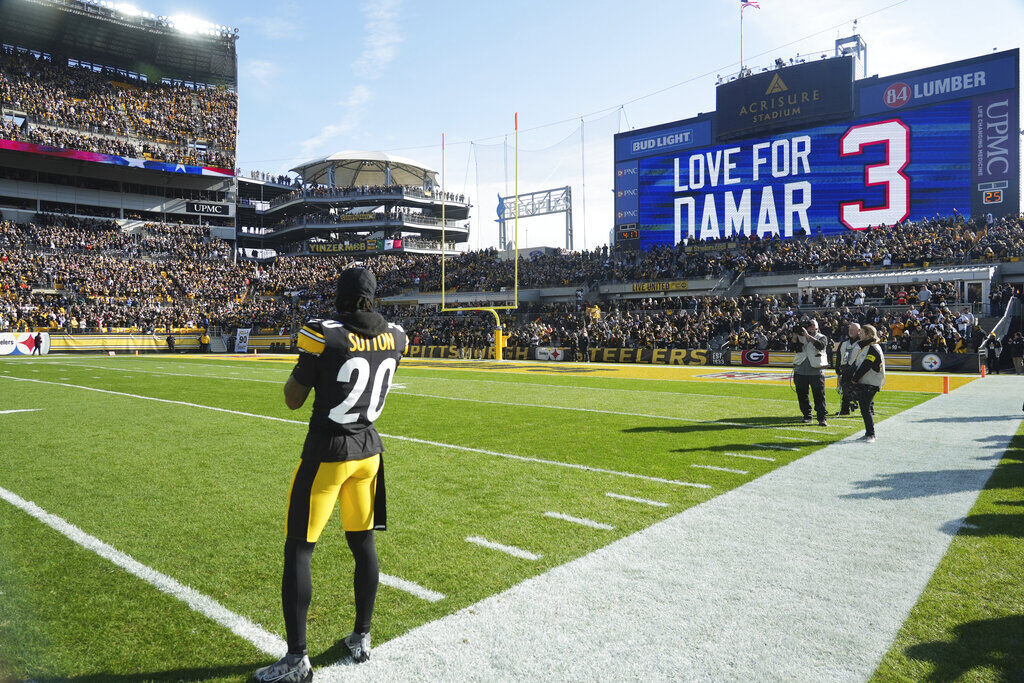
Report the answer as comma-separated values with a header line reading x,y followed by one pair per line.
x,y
350,362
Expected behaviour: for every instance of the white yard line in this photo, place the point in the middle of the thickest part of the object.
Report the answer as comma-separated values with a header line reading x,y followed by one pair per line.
x,y
846,539
778,448
509,456
264,641
501,547
174,374
570,465
720,469
582,521
20,410
645,501
752,457
797,438
411,588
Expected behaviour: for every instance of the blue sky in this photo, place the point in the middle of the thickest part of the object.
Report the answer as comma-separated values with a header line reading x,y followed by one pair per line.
x,y
318,77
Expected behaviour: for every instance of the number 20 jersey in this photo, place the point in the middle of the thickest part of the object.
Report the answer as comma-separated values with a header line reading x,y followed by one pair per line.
x,y
350,363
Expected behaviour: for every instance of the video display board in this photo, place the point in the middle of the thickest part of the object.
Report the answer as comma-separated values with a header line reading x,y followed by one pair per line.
x,y
920,144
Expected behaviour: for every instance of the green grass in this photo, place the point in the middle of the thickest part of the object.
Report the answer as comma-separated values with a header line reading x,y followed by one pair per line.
x,y
969,622
199,495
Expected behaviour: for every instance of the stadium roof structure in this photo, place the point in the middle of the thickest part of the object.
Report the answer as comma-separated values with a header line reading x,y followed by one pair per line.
x,y
352,168
122,36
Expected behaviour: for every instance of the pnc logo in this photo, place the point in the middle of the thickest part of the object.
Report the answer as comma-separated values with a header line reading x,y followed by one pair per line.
x,y
896,95
777,85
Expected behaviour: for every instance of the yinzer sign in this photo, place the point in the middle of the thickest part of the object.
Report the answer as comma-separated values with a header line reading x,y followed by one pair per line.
x,y
672,286
650,356
335,248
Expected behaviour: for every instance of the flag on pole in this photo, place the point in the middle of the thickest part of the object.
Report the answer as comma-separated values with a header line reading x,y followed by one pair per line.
x,y
744,4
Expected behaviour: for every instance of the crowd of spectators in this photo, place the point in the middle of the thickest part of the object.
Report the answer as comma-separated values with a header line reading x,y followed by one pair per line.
x,y
74,273
325,192
78,108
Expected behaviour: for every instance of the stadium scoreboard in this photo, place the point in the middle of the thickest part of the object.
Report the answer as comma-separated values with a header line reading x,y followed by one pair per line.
x,y
808,149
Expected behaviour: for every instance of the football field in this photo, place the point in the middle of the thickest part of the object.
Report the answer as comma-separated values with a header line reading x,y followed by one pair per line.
x,y
142,532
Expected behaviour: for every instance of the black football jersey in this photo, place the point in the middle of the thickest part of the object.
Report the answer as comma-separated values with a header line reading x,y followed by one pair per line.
x,y
351,373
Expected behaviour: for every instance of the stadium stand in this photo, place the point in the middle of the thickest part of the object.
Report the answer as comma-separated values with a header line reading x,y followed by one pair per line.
x,y
76,107
79,274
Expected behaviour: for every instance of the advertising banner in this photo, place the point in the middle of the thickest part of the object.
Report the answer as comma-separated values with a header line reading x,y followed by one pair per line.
x,y
968,78
101,158
945,362
754,357
719,357
207,208
670,286
995,163
784,98
650,356
336,248
242,339
24,343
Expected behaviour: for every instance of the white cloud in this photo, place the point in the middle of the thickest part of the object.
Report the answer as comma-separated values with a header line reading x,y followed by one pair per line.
x,y
280,26
352,111
380,46
382,38
261,71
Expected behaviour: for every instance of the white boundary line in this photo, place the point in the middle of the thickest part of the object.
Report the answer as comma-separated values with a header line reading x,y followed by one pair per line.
x,y
720,469
411,587
645,501
262,640
582,521
752,457
501,547
510,456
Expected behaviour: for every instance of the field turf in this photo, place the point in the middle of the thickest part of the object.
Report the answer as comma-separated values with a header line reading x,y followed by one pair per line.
x,y
197,492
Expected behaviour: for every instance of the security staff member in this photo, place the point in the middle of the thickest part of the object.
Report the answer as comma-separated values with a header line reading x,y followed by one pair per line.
x,y
809,365
844,362
868,377
350,361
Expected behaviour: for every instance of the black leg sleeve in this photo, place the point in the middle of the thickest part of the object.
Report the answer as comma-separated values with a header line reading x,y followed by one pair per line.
x,y
366,576
296,592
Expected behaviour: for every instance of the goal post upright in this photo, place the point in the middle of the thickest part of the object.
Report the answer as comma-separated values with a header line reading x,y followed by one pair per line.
x,y
499,336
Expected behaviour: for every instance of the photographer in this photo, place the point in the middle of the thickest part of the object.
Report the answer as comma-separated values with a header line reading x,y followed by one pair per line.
x,y
809,365
844,368
868,377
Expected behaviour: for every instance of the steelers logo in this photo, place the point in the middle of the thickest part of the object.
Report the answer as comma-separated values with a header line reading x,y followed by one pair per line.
x,y
931,362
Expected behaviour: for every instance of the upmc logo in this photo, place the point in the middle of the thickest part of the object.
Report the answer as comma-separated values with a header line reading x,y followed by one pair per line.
x,y
896,95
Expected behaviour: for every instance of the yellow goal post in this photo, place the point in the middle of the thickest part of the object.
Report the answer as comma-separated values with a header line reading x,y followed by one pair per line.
x,y
499,336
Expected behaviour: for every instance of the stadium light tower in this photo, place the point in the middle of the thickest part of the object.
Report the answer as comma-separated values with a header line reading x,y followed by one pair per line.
x,y
856,47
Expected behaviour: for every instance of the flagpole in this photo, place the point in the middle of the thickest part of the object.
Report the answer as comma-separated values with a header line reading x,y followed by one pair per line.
x,y
741,40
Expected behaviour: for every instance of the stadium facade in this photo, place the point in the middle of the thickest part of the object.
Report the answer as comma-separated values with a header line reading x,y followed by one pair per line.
x,y
353,203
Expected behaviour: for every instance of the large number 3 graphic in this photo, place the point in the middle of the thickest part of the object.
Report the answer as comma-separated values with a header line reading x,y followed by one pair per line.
x,y
360,367
895,135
